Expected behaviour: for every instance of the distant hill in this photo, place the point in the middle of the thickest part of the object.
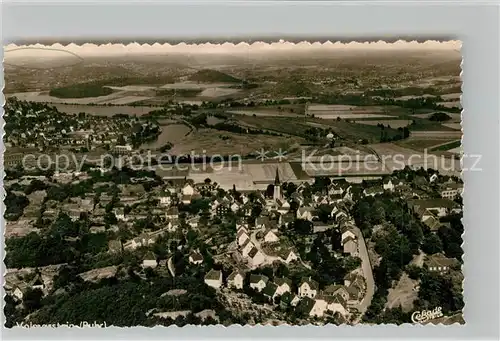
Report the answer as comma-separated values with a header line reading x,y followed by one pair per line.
x,y
213,76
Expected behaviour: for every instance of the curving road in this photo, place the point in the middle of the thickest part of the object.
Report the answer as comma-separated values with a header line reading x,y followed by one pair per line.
x,y
367,272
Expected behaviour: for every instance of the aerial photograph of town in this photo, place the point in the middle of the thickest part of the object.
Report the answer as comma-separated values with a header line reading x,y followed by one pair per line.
x,y
239,183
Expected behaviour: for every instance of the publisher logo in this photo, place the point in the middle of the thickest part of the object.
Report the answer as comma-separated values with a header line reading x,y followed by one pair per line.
x,y
426,315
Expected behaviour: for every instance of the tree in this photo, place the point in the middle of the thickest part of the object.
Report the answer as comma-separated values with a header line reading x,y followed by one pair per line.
x,y
302,226
432,244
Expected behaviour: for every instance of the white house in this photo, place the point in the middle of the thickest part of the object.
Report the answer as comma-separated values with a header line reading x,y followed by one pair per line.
x,y
314,308
350,246
165,199
283,284
271,237
235,206
149,260
235,279
388,185
214,279
305,213
195,258
308,288
258,282
255,257
289,256
242,237
188,190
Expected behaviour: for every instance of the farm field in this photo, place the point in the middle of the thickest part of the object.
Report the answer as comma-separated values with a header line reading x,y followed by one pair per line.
x,y
452,104
334,111
451,96
457,126
419,144
392,123
438,134
264,113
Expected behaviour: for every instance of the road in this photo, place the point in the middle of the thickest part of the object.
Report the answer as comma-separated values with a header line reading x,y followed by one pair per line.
x,y
367,272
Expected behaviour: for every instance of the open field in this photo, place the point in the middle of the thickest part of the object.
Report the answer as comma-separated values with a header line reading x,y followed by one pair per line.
x,y
451,96
453,104
448,146
403,295
215,142
101,110
396,157
332,111
457,126
439,134
392,123
263,113
128,99
173,133
405,98
419,144
214,92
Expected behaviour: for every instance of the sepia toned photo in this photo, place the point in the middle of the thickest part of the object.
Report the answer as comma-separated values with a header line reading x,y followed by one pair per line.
x,y
220,184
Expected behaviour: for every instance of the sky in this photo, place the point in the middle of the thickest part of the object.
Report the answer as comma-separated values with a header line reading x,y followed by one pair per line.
x,y
87,50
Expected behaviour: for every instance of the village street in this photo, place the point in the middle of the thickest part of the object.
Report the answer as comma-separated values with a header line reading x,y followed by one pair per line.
x,y
367,272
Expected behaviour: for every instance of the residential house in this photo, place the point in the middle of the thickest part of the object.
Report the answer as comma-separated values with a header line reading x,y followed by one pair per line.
x,y
306,213
165,198
222,209
255,257
271,290
195,258
235,279
235,206
286,219
172,213
214,278
283,285
288,299
373,191
246,248
188,190
271,237
289,256
313,308
242,237
350,246
319,226
388,184
451,190
258,282
261,222
439,207
120,213
439,263
186,199
298,198
335,289
149,260
308,288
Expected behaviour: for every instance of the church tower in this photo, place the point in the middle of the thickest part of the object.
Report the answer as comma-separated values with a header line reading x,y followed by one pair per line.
x,y
277,186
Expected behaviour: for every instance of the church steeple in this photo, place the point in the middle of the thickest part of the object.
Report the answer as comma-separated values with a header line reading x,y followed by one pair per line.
x,y
277,186
277,178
